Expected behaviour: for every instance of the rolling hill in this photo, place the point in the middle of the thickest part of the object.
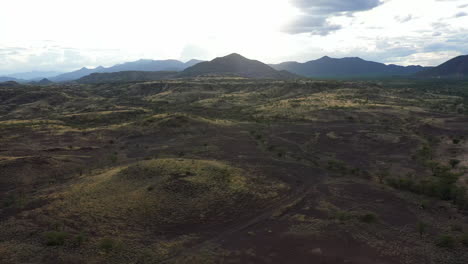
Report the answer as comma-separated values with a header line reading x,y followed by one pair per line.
x,y
327,67
235,65
454,68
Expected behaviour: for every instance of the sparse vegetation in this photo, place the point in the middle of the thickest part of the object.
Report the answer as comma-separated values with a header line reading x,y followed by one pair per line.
x,y
55,238
162,171
445,241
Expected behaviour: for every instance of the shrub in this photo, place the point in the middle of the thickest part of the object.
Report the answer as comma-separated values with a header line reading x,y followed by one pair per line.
x,y
368,218
109,244
464,240
454,163
422,228
343,216
79,239
55,238
456,228
445,241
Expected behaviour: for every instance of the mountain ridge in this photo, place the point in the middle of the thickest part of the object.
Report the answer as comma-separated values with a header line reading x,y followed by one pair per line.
x,y
454,68
345,67
139,65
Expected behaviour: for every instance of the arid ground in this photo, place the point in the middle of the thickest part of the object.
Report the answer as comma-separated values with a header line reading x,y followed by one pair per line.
x,y
218,170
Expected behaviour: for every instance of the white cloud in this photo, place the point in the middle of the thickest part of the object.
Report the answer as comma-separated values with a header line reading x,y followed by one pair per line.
x,y
66,35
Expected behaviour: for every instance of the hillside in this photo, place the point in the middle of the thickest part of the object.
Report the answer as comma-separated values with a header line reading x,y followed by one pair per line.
x,y
126,76
347,67
235,65
454,68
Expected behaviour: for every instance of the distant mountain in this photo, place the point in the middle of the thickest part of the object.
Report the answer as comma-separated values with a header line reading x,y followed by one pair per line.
x,y
235,65
327,67
192,62
10,79
126,76
44,81
70,76
140,65
34,75
454,68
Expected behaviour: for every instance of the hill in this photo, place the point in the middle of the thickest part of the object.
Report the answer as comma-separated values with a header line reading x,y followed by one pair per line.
x,y
126,76
140,65
346,67
235,65
454,68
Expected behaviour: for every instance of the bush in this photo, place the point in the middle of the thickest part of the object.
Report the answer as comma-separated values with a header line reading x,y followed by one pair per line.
x,y
79,239
109,244
422,228
445,241
55,238
464,240
456,228
454,163
368,218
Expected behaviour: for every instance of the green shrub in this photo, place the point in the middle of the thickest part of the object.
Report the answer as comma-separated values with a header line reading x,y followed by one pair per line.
x,y
454,163
456,228
368,218
422,228
342,216
55,238
109,244
79,239
445,241
464,240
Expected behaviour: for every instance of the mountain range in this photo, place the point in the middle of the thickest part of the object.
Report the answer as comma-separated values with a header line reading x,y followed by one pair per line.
x,y
327,67
140,65
34,75
233,65
239,66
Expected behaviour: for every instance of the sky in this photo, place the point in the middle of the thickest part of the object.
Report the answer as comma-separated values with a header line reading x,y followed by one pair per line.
x,y
65,35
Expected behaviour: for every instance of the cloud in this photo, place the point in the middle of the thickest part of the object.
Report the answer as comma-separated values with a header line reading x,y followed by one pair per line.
x,y
316,13
461,14
404,19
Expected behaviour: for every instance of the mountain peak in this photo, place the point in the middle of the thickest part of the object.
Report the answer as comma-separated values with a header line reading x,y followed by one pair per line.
x,y
235,55
235,65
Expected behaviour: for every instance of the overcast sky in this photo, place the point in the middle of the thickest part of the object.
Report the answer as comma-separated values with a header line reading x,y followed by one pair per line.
x,y
64,35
